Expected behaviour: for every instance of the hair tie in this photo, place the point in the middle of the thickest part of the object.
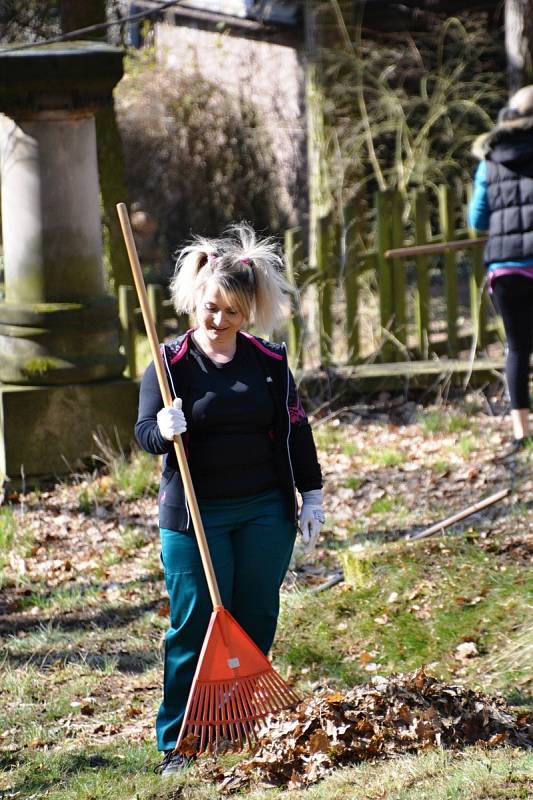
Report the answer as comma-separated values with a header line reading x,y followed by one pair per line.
x,y
212,256
244,260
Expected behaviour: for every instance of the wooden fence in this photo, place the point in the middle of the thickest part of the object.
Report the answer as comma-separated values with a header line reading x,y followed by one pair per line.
x,y
339,272
402,237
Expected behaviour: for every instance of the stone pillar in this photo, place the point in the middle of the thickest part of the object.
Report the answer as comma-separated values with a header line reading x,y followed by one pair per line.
x,y
58,327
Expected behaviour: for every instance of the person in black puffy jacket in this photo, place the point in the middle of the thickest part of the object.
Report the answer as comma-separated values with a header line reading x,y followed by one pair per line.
x,y
502,203
249,446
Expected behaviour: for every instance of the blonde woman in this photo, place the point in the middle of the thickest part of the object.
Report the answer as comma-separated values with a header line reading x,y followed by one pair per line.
x,y
249,446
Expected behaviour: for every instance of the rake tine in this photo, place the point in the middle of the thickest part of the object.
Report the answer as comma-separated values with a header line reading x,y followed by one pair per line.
x,y
200,702
228,710
255,701
259,696
249,713
270,693
225,713
199,708
287,696
190,727
213,712
221,731
248,700
235,715
244,716
203,714
275,691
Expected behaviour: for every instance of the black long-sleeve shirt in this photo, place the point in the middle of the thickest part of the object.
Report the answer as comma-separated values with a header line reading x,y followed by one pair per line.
x,y
247,430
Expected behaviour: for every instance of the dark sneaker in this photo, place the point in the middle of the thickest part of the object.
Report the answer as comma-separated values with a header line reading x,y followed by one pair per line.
x,y
173,763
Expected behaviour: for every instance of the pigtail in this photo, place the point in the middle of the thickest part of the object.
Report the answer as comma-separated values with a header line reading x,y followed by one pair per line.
x,y
190,261
272,292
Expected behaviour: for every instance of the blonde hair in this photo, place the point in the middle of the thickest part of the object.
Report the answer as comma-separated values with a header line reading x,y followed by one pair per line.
x,y
247,270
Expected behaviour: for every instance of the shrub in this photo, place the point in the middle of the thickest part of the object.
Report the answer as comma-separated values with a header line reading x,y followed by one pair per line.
x,y
196,157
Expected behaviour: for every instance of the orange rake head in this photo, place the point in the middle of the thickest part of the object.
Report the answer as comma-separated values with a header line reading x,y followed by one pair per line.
x,y
234,689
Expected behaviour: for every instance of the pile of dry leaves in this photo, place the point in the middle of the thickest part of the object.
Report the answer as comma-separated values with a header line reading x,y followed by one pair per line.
x,y
389,716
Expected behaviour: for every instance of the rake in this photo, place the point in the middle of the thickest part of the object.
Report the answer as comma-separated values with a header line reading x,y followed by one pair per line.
x,y
235,686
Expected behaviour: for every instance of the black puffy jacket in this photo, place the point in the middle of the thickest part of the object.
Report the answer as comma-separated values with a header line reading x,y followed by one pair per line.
x,y
510,194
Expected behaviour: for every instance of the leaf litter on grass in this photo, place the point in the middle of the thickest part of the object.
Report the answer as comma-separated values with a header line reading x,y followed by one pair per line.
x,y
388,717
84,565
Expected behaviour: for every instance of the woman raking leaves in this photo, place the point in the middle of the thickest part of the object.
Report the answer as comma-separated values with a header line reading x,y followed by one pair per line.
x,y
249,447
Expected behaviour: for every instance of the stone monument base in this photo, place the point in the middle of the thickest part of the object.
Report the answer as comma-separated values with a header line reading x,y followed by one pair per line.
x,y
48,431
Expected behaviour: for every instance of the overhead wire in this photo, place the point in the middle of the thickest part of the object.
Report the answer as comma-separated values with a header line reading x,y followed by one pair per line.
x,y
65,37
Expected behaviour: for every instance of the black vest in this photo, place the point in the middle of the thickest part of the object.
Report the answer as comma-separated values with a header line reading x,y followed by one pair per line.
x,y
510,196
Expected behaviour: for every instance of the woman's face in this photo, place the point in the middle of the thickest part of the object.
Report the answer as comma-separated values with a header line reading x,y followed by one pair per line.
x,y
218,318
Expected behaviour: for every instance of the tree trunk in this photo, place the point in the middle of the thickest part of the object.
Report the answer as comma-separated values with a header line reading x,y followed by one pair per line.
x,y
519,43
80,14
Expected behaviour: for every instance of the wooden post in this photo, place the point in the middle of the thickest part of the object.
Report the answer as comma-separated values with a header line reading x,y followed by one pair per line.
x,y
352,224
155,302
320,198
398,273
422,234
384,271
126,312
478,298
447,225
324,254
293,250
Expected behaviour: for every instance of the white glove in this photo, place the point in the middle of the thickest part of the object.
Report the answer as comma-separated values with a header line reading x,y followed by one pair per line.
x,y
171,420
312,517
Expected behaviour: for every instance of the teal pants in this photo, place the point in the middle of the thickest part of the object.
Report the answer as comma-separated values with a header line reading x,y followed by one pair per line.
x,y
250,540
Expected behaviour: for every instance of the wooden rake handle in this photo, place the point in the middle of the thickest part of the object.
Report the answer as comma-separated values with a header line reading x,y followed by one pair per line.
x,y
167,400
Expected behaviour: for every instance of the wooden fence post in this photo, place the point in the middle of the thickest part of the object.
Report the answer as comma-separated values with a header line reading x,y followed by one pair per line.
x,y
155,301
478,298
352,227
293,250
384,272
127,301
422,234
324,257
447,226
398,273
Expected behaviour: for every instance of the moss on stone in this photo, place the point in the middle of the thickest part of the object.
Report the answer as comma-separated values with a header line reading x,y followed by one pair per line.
x,y
39,366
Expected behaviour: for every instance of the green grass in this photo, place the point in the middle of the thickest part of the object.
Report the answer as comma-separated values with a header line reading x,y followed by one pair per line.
x,y
441,466
327,437
126,477
15,542
125,772
404,604
8,526
467,444
384,505
442,421
137,476
442,596
96,642
385,457
353,482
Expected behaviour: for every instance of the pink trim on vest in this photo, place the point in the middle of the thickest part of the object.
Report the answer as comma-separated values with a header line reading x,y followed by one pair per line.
x,y
261,347
183,349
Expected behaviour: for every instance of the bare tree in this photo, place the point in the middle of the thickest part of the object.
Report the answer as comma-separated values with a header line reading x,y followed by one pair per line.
x,y
519,42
